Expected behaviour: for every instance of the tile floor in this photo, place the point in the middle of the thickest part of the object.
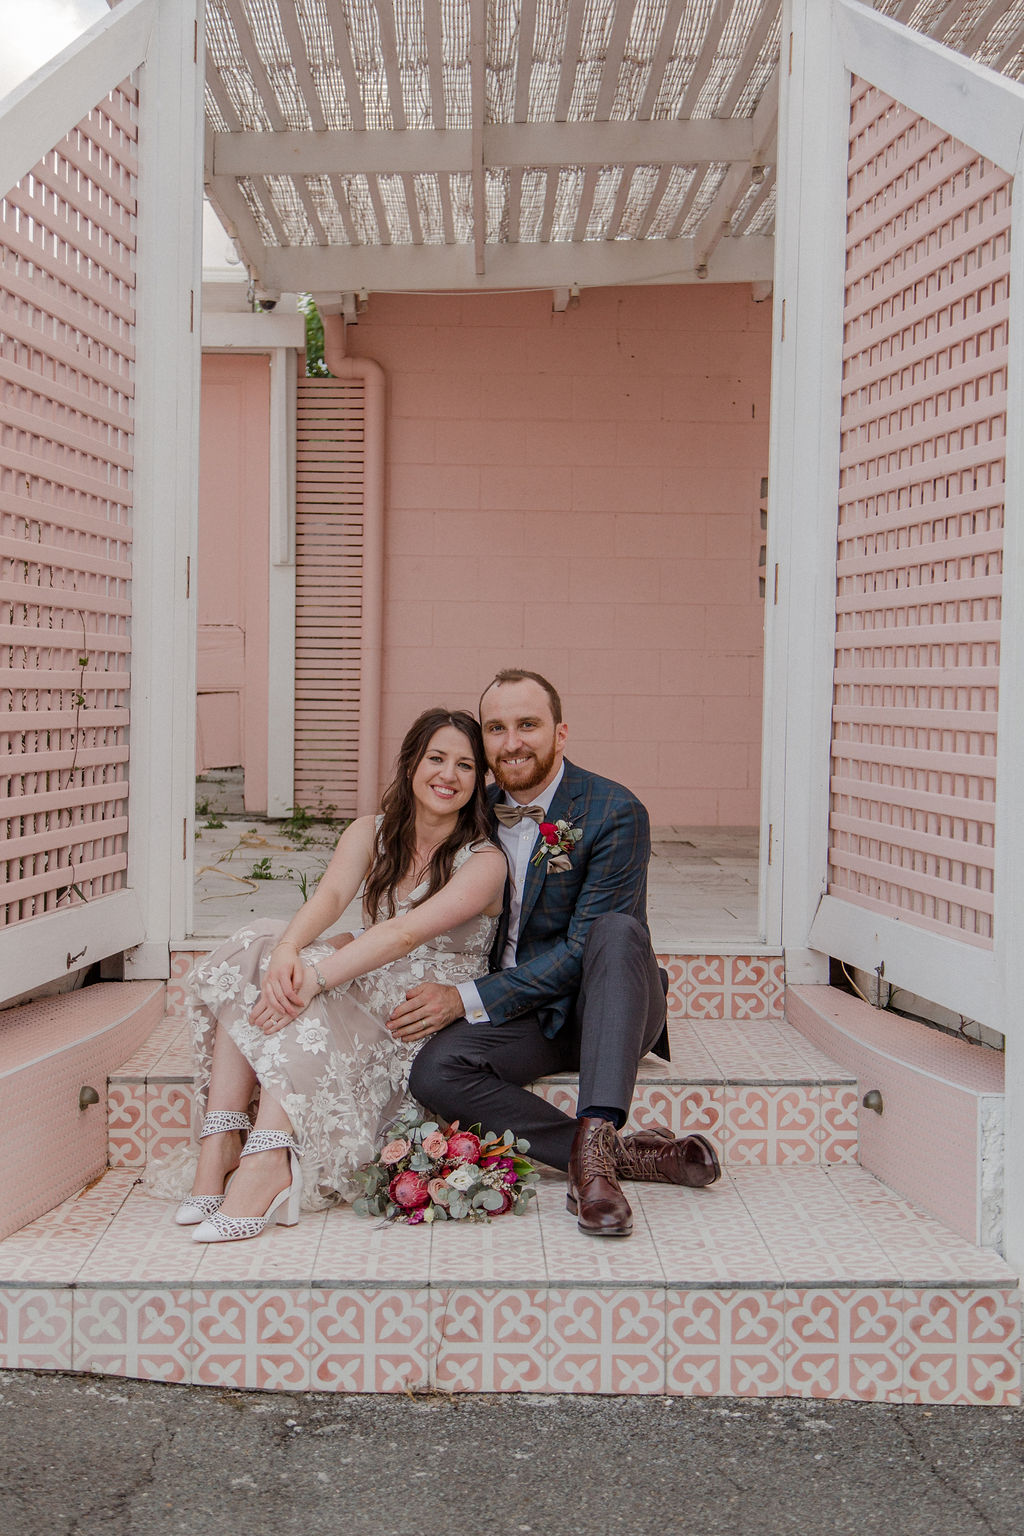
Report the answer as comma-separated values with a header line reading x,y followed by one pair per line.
x,y
702,885
804,1281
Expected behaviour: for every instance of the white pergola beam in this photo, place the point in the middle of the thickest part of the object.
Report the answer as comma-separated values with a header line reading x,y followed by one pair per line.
x,y
516,144
973,104
46,106
438,268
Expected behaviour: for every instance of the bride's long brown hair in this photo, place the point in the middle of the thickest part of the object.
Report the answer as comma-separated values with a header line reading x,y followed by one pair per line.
x,y
395,847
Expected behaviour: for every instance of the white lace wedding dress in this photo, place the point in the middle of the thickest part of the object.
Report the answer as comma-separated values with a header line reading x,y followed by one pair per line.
x,y
339,1075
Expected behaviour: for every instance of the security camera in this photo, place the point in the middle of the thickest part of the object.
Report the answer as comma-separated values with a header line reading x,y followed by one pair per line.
x,y
268,304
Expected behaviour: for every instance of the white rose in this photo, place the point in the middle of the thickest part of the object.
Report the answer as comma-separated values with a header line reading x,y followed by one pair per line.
x,y
462,1178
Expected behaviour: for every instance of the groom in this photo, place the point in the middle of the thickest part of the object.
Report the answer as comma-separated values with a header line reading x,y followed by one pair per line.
x,y
575,985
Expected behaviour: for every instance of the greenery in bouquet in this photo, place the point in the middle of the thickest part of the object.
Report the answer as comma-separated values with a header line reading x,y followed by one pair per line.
x,y
426,1174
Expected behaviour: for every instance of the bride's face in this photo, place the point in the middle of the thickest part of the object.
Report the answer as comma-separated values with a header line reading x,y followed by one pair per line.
x,y
445,776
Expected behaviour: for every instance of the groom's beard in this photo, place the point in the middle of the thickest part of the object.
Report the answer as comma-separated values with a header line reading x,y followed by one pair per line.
x,y
521,780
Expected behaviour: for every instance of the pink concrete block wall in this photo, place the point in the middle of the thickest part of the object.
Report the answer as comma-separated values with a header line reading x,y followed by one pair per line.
x,y
578,493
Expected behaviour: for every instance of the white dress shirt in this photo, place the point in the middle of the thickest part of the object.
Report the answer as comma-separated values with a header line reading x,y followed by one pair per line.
x,y
518,842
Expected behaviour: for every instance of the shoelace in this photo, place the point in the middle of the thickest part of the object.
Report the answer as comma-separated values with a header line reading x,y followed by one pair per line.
x,y
598,1154
642,1162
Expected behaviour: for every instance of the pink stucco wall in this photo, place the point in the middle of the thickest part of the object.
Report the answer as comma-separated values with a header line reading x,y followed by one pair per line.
x,y
578,493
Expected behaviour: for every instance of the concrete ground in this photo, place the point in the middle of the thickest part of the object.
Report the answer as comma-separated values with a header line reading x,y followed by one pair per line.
x,y
97,1456
702,883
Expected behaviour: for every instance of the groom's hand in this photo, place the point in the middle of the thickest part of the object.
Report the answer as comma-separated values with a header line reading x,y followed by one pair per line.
x,y
427,1008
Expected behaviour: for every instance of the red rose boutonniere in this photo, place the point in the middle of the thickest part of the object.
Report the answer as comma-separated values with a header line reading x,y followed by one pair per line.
x,y
557,839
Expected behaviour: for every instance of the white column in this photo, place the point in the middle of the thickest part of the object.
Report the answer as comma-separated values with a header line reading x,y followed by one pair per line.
x,y
810,247
1009,869
161,802
281,629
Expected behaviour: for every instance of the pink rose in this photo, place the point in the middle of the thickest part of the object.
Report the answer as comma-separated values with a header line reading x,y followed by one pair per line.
x,y
394,1151
434,1189
465,1147
435,1145
409,1190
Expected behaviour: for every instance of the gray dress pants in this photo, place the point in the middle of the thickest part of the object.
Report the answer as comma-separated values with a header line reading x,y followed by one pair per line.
x,y
476,1073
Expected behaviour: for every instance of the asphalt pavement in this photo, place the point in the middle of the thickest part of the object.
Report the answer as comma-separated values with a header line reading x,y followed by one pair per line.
x,y
98,1456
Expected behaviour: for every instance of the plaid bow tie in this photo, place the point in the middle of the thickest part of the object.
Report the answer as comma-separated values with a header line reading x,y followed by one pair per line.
x,y
512,815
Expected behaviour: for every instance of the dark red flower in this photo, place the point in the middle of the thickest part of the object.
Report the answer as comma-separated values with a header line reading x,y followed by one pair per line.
x,y
549,832
464,1147
409,1190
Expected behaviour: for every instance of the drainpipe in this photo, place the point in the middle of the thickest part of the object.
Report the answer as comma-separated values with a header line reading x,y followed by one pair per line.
x,y
371,375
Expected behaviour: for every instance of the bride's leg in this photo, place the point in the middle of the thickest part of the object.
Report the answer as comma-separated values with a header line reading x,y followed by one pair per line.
x,y
262,1175
232,1081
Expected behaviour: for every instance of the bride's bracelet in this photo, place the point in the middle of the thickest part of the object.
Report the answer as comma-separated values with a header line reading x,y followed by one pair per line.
x,y
321,983
290,942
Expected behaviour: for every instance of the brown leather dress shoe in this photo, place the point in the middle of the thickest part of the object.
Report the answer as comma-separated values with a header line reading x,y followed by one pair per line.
x,y
594,1196
655,1157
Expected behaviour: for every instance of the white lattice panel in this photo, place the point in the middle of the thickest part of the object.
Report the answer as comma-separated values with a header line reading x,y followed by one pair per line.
x,y
67,246
328,591
919,556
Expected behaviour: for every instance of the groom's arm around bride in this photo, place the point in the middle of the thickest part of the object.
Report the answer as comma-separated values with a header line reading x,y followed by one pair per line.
x,y
574,984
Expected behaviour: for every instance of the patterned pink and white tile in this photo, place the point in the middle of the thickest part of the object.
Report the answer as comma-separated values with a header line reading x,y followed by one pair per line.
x,y
168,1117
725,1343
560,1092
573,1256
284,1256
489,1339
809,1229
684,1108
962,1346
758,986
55,1246
838,1139
920,1249
606,1340
245,1338
144,1061
756,1049
143,1244
705,1236
127,1130
845,1343
355,1251
133,1332
765,1125
369,1340
508,1250
678,984
35,1328
691,1060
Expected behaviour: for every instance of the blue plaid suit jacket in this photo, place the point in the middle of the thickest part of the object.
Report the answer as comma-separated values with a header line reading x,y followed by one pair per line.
x,y
608,874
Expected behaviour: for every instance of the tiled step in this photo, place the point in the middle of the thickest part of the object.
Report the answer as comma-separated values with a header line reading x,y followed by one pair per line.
x,y
759,1090
800,1281
747,985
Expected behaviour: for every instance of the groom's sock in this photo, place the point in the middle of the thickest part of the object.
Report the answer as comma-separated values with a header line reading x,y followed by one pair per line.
x,y
602,1112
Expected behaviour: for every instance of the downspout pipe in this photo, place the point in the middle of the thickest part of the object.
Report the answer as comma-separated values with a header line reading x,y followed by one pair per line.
x,y
371,375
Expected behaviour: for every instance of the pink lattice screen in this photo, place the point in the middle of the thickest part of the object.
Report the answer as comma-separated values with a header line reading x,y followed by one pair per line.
x,y
67,244
920,524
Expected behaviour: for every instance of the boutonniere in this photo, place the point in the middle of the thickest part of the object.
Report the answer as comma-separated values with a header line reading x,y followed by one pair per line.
x,y
557,838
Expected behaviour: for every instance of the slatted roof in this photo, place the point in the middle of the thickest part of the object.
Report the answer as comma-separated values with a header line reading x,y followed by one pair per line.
x,y
458,144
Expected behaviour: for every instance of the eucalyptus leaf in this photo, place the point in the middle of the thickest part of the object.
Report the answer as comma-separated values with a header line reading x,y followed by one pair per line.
x,y
491,1200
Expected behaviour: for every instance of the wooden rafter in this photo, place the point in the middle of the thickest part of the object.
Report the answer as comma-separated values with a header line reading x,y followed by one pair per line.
x,y
478,103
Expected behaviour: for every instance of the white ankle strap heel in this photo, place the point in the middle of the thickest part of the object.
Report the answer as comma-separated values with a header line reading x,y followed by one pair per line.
x,y
283,1209
197,1208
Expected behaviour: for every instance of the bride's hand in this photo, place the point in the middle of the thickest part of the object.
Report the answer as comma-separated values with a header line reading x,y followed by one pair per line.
x,y
270,1018
282,984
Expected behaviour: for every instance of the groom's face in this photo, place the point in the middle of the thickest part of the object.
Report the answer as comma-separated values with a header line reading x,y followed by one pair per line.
x,y
524,745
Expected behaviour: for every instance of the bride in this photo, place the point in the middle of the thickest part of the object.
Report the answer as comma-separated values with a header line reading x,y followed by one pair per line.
x,y
301,1017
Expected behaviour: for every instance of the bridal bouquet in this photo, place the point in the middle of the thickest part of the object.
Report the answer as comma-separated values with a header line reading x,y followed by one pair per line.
x,y
427,1174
